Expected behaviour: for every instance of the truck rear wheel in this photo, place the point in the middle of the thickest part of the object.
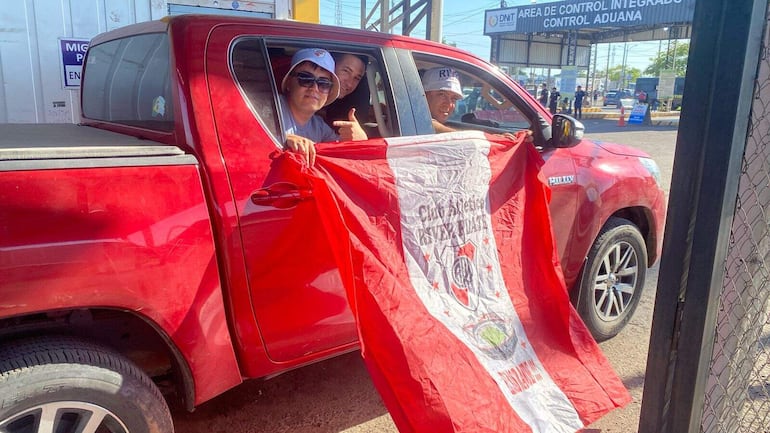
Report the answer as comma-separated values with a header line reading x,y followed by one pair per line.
x,y
66,385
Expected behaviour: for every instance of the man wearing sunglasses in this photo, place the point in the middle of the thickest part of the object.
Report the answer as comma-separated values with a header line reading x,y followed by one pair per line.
x,y
310,85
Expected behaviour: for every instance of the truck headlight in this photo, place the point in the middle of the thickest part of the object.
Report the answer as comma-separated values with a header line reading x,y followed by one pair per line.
x,y
653,168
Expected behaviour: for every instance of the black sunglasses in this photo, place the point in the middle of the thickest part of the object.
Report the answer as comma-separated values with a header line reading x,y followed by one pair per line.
x,y
306,79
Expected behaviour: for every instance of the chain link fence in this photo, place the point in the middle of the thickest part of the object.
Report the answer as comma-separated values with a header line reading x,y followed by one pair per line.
x,y
737,396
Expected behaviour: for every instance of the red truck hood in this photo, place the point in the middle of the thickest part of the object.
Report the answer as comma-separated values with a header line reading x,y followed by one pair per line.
x,y
619,149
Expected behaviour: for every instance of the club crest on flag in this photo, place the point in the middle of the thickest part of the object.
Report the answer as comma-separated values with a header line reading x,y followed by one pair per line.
x,y
494,336
461,274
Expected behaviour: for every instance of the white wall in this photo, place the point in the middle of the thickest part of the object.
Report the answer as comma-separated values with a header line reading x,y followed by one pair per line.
x,y
30,59
32,88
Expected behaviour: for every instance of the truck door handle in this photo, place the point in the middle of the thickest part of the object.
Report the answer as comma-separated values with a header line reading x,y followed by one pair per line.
x,y
282,195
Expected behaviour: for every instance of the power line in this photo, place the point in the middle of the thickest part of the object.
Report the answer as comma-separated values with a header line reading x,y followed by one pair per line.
x,y
470,11
461,34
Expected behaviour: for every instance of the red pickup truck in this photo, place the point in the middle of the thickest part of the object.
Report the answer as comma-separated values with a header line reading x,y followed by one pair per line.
x,y
147,254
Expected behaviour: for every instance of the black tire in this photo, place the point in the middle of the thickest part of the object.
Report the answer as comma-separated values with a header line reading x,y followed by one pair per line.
x,y
68,382
613,278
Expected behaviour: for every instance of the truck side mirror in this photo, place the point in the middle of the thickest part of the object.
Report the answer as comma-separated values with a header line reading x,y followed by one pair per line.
x,y
567,131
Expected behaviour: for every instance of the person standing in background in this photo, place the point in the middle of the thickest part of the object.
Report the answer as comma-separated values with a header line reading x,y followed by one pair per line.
x,y
543,95
553,104
579,95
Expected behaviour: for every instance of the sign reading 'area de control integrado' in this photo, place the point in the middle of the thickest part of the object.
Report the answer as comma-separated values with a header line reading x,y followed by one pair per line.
x,y
578,14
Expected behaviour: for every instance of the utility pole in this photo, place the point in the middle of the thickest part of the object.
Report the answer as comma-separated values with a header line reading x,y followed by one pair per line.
x,y
385,23
338,12
660,48
607,71
436,20
593,79
623,83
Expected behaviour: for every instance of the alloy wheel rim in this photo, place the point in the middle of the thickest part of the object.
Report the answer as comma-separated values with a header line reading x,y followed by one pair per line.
x,y
65,417
615,281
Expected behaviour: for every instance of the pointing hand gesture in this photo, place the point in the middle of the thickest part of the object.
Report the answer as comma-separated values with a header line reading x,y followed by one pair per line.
x,y
350,130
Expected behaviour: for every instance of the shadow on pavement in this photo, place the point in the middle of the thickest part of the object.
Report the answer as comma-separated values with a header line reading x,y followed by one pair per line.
x,y
331,396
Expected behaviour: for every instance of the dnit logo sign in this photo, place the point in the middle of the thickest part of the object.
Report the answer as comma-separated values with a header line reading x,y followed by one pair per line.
x,y
503,20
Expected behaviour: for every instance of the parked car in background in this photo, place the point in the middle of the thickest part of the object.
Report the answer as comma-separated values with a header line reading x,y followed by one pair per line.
x,y
613,97
650,86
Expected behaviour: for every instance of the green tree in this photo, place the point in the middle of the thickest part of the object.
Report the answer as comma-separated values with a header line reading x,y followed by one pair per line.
x,y
670,57
616,72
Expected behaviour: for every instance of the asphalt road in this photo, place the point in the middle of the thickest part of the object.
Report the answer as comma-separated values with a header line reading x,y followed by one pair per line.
x,y
337,395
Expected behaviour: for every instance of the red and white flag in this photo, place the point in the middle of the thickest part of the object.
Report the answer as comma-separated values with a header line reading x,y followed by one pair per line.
x,y
449,262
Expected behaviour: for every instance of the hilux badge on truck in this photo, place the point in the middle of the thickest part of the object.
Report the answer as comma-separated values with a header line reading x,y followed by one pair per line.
x,y
560,180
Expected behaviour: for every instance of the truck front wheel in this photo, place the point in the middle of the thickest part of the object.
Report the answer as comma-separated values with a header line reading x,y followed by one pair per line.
x,y
66,385
613,278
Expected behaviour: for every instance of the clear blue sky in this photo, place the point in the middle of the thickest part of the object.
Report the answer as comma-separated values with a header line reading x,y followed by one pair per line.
x,y
464,26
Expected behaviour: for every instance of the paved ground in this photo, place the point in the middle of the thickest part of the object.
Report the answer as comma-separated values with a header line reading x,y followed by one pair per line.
x,y
337,396
628,351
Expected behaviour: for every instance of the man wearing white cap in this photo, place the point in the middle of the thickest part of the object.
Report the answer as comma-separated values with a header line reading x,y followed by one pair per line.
x,y
310,85
442,90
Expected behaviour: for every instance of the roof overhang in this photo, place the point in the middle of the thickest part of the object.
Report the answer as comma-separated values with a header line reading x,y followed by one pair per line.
x,y
561,33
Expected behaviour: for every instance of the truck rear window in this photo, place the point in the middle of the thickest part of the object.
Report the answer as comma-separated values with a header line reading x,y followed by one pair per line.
x,y
127,81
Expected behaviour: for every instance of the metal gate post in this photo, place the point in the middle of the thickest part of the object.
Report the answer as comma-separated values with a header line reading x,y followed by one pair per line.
x,y
726,42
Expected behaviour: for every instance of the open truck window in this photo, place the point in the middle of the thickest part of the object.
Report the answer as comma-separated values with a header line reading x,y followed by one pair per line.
x,y
485,103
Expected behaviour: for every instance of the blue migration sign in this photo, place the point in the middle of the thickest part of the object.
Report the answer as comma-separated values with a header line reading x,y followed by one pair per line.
x,y
578,14
73,51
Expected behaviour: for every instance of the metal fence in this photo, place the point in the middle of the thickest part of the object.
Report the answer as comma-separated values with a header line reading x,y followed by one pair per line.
x,y
737,393
708,368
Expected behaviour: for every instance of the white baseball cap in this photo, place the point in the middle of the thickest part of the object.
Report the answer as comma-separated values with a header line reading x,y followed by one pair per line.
x,y
323,59
442,78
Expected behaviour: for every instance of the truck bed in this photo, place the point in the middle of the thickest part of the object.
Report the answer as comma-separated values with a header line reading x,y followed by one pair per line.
x,y
51,146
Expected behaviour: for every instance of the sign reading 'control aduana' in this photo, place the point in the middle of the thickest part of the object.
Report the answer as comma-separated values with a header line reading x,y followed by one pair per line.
x,y
579,14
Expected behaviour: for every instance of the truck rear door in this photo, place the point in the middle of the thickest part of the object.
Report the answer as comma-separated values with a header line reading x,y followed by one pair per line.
x,y
297,298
